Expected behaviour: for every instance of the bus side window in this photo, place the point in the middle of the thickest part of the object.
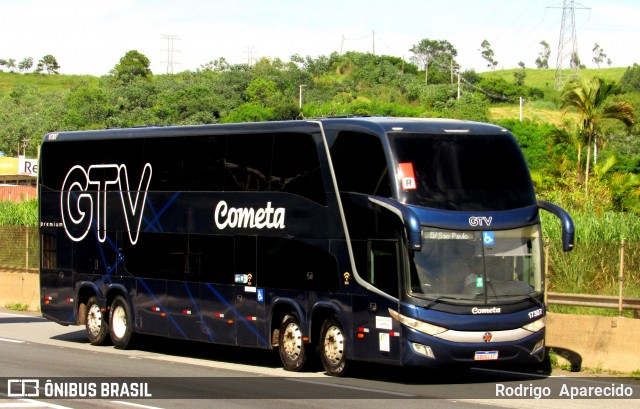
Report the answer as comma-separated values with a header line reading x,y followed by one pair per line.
x,y
296,167
382,271
248,162
360,164
165,155
204,163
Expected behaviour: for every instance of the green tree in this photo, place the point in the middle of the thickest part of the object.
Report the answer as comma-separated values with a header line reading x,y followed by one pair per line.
x,y
487,54
542,62
26,64
440,52
575,62
630,80
11,64
49,64
598,55
86,108
589,98
133,65
520,74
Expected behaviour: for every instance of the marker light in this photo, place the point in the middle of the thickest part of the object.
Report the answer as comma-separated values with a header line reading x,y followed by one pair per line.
x,y
418,325
537,325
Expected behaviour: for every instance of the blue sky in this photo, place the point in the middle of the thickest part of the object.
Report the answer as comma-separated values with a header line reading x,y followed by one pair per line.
x,y
90,36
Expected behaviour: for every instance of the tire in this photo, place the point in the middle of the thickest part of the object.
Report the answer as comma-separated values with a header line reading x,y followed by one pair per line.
x,y
332,348
95,323
291,347
120,325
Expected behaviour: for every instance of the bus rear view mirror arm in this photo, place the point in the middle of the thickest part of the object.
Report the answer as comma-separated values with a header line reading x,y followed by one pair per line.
x,y
568,231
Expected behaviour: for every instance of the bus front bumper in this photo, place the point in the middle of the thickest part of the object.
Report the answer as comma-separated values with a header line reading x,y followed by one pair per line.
x,y
472,348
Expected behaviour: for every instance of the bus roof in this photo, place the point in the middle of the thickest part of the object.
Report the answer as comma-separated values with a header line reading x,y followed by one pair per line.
x,y
375,124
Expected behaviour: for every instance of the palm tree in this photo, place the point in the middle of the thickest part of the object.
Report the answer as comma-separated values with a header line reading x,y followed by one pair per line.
x,y
589,98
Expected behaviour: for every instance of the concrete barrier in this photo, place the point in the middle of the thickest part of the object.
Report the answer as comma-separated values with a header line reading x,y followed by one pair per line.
x,y
605,343
600,343
20,287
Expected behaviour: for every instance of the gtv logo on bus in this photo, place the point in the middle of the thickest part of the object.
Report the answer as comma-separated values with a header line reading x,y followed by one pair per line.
x,y
85,191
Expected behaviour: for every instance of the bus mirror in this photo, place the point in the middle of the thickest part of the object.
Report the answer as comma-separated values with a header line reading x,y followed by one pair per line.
x,y
409,219
567,223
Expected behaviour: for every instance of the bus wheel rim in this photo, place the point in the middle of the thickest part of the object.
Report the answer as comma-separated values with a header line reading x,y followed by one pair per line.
x,y
119,322
334,345
94,319
292,341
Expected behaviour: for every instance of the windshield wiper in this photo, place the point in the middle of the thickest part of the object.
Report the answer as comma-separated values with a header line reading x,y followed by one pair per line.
x,y
443,298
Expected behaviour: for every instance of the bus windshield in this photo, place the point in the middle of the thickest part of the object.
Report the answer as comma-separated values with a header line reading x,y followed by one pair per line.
x,y
464,172
478,266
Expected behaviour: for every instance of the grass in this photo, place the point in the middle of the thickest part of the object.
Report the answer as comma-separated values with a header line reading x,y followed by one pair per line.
x,y
19,214
17,307
43,82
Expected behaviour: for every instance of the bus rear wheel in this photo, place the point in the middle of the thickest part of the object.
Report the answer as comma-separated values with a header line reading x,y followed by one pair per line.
x,y
332,348
120,323
95,323
291,345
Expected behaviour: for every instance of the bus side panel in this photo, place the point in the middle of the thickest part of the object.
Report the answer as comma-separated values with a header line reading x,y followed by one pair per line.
x,y
57,299
56,262
185,311
151,309
380,340
219,314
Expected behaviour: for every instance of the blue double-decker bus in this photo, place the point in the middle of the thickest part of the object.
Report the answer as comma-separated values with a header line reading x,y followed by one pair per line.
x,y
399,241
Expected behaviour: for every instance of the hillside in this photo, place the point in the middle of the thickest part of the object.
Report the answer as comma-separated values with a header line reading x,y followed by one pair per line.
x,y
44,82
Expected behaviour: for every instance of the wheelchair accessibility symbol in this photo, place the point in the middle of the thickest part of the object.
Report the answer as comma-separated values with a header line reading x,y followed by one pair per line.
x,y
488,238
260,295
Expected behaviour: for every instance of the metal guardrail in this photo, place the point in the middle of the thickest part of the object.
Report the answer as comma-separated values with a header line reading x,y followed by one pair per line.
x,y
597,301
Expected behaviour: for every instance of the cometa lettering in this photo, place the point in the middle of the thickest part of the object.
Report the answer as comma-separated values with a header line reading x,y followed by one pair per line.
x,y
492,310
248,217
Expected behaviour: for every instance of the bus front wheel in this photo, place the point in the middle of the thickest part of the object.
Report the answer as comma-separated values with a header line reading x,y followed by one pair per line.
x,y
291,345
120,323
95,322
332,348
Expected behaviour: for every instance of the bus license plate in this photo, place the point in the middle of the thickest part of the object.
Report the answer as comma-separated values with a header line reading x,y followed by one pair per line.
x,y
486,355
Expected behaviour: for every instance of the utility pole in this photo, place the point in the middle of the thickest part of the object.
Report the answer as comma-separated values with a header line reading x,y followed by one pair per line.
x,y
300,100
373,40
568,43
170,50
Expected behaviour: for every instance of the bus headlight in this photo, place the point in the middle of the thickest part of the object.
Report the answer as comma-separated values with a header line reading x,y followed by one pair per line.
x,y
537,325
418,325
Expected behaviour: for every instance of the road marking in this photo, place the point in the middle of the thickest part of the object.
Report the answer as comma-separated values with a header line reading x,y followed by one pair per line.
x,y
357,388
15,341
8,314
135,405
30,403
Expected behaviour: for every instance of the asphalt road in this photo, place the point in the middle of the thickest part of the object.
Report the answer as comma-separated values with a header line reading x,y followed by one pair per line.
x,y
178,374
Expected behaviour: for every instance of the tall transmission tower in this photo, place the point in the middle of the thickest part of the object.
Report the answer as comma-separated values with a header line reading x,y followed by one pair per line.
x,y
170,50
568,44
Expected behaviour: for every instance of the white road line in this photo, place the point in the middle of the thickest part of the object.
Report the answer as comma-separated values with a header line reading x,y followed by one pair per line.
x,y
18,315
30,403
15,341
356,388
135,405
